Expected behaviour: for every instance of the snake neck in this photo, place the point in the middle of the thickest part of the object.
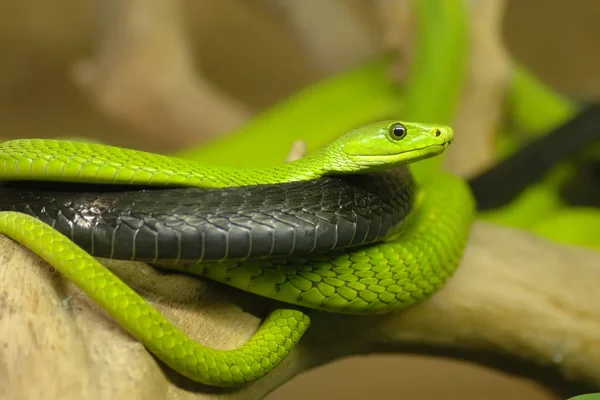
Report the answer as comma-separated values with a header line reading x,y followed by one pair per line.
x,y
303,169
312,166
330,160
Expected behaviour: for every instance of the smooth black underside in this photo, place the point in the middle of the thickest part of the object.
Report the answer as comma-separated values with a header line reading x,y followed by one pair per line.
x,y
200,224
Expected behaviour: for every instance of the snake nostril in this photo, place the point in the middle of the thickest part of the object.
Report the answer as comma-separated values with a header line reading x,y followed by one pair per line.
x,y
437,133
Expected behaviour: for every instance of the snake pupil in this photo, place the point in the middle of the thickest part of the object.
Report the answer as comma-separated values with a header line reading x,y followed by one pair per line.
x,y
398,131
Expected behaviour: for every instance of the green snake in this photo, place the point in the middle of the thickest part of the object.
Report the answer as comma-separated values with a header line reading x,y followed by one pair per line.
x,y
407,266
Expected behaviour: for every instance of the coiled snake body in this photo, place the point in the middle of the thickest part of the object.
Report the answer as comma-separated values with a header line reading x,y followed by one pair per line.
x,y
344,229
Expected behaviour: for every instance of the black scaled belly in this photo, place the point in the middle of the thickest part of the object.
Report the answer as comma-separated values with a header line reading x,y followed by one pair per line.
x,y
205,224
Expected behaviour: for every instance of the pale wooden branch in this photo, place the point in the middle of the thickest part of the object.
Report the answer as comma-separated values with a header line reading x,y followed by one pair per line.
x,y
399,34
514,295
481,111
144,77
332,32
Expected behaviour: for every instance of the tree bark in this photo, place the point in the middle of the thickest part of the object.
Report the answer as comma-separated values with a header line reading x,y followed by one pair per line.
x,y
516,302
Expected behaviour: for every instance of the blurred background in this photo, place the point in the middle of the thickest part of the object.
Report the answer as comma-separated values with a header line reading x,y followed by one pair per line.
x,y
255,59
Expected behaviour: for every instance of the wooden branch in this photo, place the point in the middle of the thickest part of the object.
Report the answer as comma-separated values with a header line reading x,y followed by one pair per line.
x,y
399,34
332,31
481,111
514,295
143,76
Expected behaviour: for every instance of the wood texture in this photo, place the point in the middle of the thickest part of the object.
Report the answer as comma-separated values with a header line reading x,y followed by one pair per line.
x,y
515,296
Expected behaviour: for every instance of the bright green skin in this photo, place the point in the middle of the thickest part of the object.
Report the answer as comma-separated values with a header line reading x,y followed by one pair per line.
x,y
379,278
363,149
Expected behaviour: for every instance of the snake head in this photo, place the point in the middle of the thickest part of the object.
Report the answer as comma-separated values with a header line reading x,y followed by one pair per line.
x,y
387,144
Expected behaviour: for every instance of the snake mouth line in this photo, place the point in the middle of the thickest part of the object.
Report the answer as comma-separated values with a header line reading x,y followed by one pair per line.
x,y
404,157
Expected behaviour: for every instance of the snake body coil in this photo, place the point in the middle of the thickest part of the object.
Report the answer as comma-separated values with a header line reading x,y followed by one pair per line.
x,y
369,258
204,224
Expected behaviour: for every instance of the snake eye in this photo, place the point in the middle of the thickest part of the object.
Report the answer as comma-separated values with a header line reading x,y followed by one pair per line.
x,y
398,131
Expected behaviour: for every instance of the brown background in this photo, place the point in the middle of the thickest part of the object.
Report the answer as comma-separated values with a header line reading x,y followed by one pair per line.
x,y
40,41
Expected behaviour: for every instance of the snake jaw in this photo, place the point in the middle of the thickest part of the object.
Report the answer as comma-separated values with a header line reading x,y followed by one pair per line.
x,y
405,157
